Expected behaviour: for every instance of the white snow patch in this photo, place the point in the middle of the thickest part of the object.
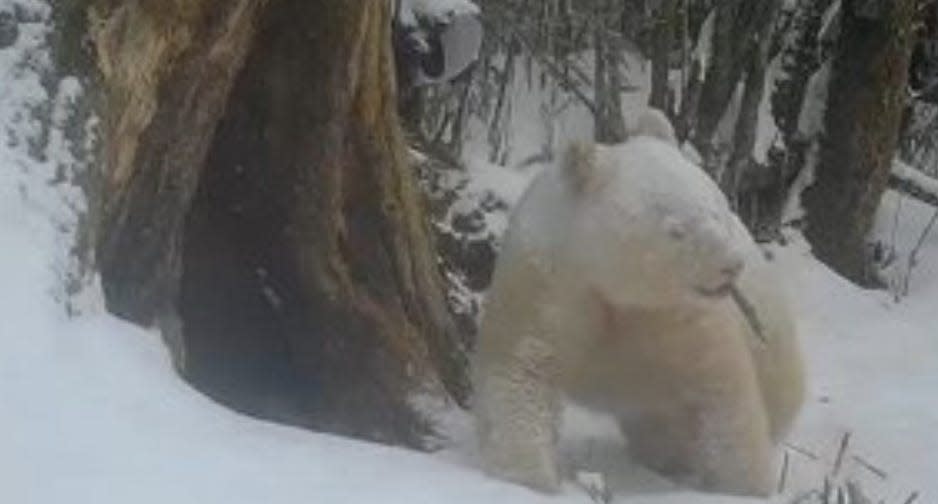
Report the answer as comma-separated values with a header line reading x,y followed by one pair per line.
x,y
726,128
830,23
704,49
507,183
810,127
814,106
794,210
767,133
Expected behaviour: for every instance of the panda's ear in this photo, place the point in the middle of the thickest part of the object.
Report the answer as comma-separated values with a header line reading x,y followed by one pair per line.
x,y
653,123
579,165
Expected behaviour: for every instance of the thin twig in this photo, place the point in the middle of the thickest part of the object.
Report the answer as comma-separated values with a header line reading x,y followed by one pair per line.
x,y
783,476
802,451
895,224
870,467
844,442
912,498
749,312
896,293
913,256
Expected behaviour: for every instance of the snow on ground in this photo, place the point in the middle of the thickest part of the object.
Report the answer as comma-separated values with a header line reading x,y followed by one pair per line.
x,y
872,371
91,411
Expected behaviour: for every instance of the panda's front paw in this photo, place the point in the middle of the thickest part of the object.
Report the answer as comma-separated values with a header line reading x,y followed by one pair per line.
x,y
537,471
594,484
545,478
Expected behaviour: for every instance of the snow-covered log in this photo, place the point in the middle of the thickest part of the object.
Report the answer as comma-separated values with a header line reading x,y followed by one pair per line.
x,y
912,182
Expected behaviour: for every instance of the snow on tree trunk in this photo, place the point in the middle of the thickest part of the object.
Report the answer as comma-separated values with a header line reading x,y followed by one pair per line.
x,y
738,27
869,74
260,208
746,128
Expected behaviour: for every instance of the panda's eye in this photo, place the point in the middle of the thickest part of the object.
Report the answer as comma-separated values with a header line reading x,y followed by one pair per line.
x,y
677,232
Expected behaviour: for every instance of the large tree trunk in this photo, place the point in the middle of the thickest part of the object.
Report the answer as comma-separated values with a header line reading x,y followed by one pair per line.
x,y
862,126
260,208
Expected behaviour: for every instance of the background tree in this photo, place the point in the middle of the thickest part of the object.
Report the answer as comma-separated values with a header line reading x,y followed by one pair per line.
x,y
869,73
259,206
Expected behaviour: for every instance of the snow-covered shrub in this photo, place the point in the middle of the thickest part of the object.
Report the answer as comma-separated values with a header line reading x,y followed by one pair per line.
x,y
464,220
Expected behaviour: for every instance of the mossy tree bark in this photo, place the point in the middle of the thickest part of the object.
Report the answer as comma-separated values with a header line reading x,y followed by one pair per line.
x,y
260,208
870,71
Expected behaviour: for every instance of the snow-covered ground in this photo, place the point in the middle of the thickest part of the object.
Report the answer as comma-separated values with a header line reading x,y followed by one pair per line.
x,y
91,411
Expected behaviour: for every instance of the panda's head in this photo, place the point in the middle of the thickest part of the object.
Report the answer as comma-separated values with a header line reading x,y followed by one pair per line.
x,y
702,248
654,228
672,250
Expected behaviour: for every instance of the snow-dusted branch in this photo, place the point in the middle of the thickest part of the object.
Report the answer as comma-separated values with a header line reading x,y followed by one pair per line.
x,y
914,183
561,73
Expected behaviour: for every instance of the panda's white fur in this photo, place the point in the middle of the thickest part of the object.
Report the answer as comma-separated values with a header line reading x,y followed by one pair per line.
x,y
612,288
